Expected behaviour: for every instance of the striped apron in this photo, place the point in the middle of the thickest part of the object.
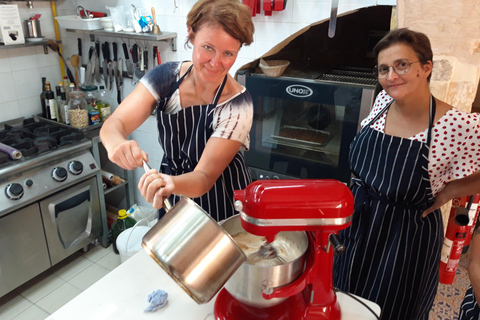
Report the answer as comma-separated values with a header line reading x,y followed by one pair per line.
x,y
393,254
183,137
469,309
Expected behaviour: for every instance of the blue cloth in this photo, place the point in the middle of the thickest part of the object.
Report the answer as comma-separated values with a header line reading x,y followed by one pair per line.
x,y
157,299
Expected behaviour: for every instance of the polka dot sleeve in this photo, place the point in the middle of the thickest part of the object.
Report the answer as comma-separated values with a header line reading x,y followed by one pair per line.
x,y
455,146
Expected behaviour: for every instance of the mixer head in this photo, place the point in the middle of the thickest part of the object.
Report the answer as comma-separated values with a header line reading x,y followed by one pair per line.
x,y
271,206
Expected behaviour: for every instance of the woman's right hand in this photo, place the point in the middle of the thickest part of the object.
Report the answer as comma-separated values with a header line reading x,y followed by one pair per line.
x,y
128,155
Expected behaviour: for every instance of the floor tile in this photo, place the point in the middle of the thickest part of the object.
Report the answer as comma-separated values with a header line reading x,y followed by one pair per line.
x,y
97,253
32,313
38,288
73,268
12,305
56,299
110,261
89,276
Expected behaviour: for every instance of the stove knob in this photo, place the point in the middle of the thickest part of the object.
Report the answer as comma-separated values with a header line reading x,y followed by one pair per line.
x,y
59,174
14,191
29,183
75,167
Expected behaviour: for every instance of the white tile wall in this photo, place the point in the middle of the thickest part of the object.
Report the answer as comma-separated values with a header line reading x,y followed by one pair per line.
x,y
21,69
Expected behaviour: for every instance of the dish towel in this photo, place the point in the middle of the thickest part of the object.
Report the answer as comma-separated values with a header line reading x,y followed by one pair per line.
x,y
157,299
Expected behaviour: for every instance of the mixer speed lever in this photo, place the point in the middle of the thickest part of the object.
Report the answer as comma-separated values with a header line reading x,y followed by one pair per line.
x,y
338,247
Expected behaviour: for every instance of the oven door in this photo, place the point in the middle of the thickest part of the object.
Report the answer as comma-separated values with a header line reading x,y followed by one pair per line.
x,y
303,129
71,219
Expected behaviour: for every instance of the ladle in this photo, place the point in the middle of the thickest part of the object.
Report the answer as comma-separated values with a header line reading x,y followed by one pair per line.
x,y
155,28
52,44
75,61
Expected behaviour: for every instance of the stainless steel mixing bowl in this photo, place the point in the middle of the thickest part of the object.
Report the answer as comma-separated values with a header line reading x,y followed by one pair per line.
x,y
246,283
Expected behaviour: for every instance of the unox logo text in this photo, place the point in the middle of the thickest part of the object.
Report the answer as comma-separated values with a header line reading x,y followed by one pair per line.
x,y
299,91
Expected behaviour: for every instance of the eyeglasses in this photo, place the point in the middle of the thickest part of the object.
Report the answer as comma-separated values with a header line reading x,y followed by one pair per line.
x,y
400,66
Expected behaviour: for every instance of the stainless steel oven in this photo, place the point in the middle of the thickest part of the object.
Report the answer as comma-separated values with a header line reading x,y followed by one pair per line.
x,y
304,121
49,200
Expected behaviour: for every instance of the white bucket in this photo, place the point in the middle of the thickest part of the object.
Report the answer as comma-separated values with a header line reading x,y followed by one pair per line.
x,y
129,241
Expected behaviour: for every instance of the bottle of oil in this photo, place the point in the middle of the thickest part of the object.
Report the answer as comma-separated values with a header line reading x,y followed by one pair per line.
x,y
50,102
122,223
42,97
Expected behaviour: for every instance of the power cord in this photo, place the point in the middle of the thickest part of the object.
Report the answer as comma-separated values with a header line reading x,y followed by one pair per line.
x,y
359,301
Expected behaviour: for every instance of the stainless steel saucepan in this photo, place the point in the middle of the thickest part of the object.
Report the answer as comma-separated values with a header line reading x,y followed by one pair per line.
x,y
193,249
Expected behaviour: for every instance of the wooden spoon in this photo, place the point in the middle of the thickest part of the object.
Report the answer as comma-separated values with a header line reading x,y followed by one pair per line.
x,y
75,61
155,28
52,44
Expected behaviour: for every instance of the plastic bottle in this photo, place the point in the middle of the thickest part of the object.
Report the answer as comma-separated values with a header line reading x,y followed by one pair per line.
x,y
103,105
123,222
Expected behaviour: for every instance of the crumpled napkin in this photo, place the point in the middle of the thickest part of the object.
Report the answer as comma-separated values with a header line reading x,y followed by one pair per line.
x,y
157,299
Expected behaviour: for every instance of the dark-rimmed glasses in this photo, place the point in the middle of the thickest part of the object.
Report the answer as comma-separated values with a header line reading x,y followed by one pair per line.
x,y
400,66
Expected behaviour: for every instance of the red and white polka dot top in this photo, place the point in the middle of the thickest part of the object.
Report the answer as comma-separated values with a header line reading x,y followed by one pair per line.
x,y
455,146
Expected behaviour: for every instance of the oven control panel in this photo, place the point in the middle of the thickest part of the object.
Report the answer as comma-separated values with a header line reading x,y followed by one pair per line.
x,y
38,182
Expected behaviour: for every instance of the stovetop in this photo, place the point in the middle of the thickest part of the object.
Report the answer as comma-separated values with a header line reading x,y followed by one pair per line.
x,y
54,158
33,138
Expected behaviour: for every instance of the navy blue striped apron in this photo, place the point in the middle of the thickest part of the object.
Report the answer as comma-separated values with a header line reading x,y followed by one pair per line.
x,y
469,310
393,254
183,137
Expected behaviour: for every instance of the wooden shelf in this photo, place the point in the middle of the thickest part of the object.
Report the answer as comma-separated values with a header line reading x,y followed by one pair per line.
x,y
165,36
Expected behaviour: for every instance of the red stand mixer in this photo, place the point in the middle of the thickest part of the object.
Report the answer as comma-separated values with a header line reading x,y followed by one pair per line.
x,y
319,207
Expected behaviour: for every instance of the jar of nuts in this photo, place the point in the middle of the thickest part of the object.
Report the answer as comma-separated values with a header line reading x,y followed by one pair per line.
x,y
77,109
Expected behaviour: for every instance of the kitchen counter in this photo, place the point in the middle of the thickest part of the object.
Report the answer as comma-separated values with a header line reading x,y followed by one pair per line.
x,y
122,294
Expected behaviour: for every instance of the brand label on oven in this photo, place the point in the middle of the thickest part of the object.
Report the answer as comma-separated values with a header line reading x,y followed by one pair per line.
x,y
299,91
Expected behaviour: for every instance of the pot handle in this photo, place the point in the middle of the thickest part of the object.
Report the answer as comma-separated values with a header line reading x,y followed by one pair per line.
x,y
166,203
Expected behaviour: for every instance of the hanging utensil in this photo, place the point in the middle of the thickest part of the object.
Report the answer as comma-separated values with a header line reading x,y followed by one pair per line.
x,y
333,19
111,75
75,62
97,61
155,28
90,66
120,81
52,44
105,66
128,63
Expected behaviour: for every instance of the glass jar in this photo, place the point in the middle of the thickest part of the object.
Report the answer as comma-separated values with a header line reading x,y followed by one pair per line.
x,y
91,95
77,109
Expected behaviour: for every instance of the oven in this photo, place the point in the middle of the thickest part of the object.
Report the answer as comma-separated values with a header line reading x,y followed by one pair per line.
x,y
49,200
304,121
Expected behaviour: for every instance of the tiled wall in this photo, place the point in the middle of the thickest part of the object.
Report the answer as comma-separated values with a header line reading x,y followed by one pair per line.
x,y
21,69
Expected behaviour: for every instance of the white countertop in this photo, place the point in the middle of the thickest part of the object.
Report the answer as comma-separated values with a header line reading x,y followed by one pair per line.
x,y
122,295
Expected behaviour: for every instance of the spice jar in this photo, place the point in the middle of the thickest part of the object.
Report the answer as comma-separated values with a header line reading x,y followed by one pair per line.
x,y
77,110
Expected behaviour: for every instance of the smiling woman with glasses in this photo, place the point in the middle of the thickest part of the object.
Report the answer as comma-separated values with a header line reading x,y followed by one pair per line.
x,y
414,154
400,66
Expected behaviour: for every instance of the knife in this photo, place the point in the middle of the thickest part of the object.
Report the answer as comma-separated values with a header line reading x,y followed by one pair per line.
x,y
105,65
110,66
128,62
88,72
145,59
79,44
120,81
136,69
115,65
97,61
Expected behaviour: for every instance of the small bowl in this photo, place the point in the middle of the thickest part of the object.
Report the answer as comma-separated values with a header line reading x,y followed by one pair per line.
x,y
273,68
107,23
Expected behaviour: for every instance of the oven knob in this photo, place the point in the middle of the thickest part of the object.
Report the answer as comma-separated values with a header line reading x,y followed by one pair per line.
x,y
75,167
29,183
14,191
59,174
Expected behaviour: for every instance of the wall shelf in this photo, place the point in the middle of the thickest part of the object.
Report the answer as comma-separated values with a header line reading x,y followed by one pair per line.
x,y
165,36
29,44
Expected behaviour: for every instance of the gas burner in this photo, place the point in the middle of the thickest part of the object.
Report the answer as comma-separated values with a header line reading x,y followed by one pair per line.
x,y
32,138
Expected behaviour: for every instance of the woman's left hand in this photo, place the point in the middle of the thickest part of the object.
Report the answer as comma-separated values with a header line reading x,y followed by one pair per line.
x,y
155,187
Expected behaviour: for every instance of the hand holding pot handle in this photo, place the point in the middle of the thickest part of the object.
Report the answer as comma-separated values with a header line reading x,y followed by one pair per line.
x,y
166,203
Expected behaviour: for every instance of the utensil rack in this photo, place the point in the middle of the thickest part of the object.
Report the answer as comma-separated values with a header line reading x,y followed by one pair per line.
x,y
165,36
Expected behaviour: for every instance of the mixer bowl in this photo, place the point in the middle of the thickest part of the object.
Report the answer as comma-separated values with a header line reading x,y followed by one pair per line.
x,y
245,284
